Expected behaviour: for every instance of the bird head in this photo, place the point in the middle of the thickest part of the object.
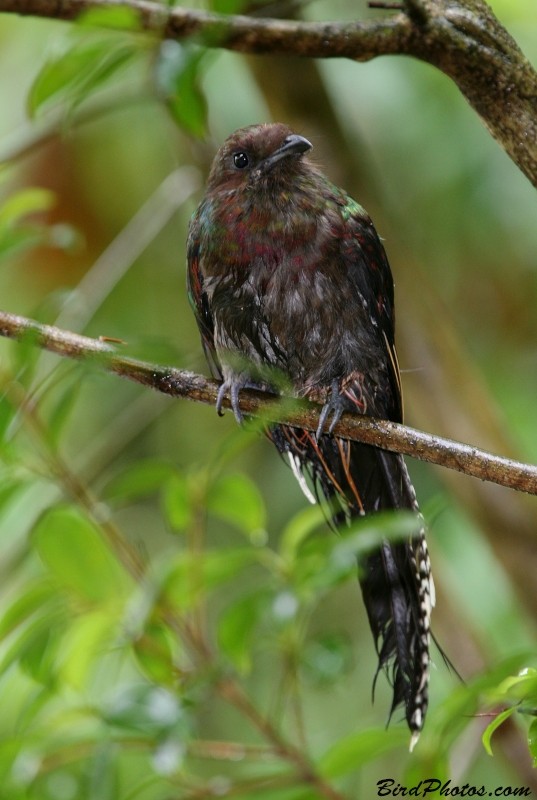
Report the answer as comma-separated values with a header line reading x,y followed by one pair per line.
x,y
259,155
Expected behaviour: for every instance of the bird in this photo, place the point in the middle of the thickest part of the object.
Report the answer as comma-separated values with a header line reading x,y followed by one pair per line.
x,y
291,287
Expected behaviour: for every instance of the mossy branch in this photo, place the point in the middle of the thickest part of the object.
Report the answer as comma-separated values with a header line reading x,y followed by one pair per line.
x,y
180,383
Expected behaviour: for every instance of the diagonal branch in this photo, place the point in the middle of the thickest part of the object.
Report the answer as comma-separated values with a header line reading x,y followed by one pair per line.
x,y
180,383
462,38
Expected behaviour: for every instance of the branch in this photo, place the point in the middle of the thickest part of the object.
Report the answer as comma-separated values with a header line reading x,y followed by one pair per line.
x,y
356,40
180,383
230,751
462,38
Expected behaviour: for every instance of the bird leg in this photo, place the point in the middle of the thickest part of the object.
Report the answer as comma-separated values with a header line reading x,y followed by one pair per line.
x,y
334,404
232,385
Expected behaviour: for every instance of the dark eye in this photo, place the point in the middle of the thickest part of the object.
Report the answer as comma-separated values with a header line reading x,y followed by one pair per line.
x,y
241,160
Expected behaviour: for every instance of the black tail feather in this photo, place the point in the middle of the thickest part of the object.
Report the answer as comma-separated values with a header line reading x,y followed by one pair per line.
x,y
396,581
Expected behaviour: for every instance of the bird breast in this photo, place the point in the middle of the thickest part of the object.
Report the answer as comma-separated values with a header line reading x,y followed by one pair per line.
x,y
281,294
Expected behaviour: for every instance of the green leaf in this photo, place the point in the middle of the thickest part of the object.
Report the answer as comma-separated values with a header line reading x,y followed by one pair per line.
x,y
9,750
116,58
89,636
177,502
38,656
489,730
76,73
64,72
521,687
17,240
31,641
532,741
368,533
326,560
315,571
139,480
454,713
359,748
237,624
189,107
236,499
71,548
177,73
118,17
16,237
300,526
10,489
27,201
155,655
222,566
27,604
195,573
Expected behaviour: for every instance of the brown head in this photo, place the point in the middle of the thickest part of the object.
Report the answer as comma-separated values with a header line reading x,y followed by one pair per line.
x,y
259,155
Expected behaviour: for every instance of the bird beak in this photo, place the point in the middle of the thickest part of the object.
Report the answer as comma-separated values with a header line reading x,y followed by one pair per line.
x,y
293,145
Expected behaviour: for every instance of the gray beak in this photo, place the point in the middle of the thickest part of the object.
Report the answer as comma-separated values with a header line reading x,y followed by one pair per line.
x,y
293,145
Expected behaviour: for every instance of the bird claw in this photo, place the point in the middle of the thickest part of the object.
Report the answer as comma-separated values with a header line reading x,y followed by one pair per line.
x,y
333,404
233,387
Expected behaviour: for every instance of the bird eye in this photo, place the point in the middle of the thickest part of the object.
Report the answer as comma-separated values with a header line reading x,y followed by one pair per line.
x,y
241,160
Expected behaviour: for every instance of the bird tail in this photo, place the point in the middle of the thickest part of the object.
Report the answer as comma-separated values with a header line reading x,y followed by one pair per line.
x,y
396,581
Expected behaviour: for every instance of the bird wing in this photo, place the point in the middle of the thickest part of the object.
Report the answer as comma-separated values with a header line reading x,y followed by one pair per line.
x,y
198,298
367,265
395,578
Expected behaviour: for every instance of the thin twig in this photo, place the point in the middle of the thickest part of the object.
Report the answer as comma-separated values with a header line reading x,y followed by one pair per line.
x,y
230,751
180,383
231,691
197,748
77,490
77,751
296,698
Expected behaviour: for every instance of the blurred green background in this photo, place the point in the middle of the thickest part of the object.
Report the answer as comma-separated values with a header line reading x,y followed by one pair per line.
x,y
459,224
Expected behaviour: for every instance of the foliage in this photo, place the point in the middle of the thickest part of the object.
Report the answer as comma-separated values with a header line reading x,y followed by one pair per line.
x,y
102,661
108,663
100,47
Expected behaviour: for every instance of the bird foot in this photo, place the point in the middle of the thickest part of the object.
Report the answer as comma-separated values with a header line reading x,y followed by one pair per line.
x,y
333,404
233,386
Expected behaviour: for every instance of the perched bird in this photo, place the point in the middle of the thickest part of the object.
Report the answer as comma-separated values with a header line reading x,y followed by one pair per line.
x,y
287,276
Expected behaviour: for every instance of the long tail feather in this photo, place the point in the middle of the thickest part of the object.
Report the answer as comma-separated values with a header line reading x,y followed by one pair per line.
x,y
396,580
